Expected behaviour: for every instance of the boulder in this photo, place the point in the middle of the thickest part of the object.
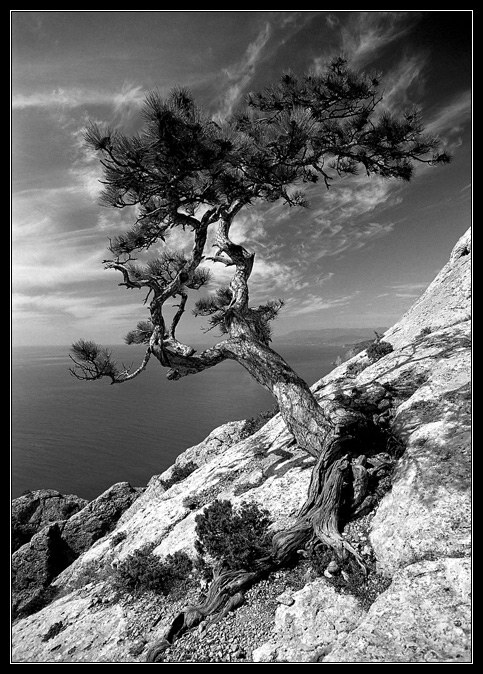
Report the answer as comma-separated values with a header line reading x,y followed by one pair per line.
x,y
33,510
57,545
424,617
34,565
99,517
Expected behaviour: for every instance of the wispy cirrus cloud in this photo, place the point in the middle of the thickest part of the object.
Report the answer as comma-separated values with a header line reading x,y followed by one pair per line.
x,y
312,303
341,223
411,287
60,308
357,196
448,119
335,238
128,96
404,83
367,33
363,35
405,290
239,75
36,267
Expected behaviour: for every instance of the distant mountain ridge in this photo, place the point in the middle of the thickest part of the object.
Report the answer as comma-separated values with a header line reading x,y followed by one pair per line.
x,y
330,336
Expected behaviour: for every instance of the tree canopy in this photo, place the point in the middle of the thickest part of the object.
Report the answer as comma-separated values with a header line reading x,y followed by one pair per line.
x,y
186,170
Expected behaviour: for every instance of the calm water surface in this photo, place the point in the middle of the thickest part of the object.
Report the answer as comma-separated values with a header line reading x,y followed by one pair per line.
x,y
81,437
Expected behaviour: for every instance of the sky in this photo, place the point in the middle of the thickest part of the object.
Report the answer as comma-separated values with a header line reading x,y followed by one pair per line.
x,y
358,257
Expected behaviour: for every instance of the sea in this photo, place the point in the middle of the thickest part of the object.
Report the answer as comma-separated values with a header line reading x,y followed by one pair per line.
x,y
81,437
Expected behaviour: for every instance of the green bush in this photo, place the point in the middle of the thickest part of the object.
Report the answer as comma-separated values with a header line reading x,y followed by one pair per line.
x,y
54,630
179,473
192,502
143,571
378,349
353,369
236,538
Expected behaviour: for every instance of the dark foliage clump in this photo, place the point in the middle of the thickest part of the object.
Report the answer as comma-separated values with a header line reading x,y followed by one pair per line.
x,y
53,631
144,571
217,308
179,473
353,369
192,502
236,538
424,332
378,349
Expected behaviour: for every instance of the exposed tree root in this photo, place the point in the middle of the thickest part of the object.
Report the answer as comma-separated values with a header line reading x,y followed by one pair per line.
x,y
225,594
338,492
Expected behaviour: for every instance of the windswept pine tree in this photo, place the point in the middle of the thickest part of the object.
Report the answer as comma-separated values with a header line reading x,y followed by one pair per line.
x,y
186,170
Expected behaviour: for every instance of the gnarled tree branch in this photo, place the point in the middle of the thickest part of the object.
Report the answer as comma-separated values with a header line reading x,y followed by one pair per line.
x,y
92,362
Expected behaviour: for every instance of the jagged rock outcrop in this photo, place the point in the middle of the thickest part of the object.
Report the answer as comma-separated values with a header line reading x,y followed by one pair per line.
x,y
99,517
36,563
419,532
35,509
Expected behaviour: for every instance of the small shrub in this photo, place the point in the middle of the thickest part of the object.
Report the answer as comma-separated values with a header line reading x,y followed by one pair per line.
x,y
179,473
144,571
356,368
425,331
237,538
53,631
192,502
378,349
357,348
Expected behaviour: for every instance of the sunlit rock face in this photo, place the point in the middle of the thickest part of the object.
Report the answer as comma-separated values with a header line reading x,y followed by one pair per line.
x,y
420,531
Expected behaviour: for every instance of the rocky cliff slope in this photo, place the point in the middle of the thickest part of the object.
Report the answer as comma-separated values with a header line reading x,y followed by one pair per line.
x,y
417,532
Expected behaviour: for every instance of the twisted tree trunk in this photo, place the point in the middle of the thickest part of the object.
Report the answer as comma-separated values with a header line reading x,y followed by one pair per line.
x,y
337,436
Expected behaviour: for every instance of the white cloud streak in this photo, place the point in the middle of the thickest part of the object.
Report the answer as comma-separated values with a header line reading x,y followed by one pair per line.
x,y
340,222
450,118
366,33
404,82
313,304
363,35
129,96
239,75
408,287
405,290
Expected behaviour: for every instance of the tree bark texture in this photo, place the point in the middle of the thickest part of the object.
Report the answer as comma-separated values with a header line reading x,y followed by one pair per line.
x,y
339,436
